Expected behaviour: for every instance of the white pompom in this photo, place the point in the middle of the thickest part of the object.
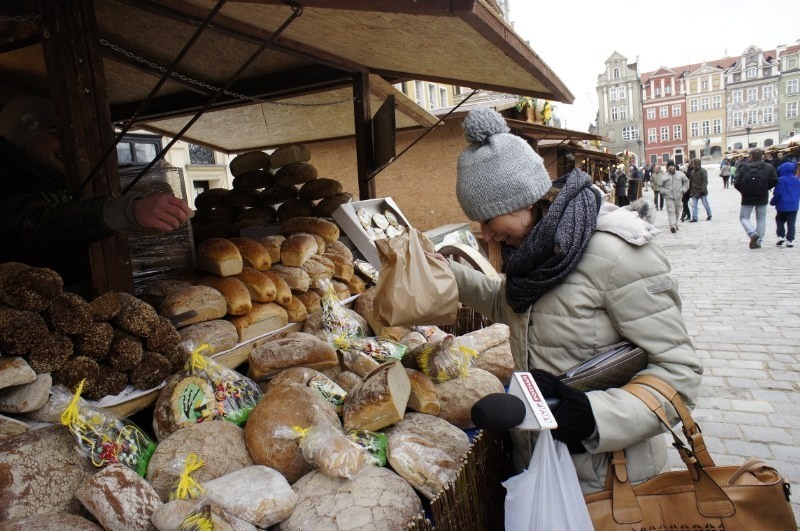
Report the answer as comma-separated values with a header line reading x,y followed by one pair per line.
x,y
482,123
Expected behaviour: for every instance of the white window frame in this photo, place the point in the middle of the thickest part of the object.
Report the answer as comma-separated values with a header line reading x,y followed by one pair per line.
x,y
664,133
769,92
716,102
677,132
752,117
752,94
752,73
612,94
667,89
432,95
705,104
694,129
791,109
651,113
793,86
737,119
663,112
716,126
693,105
705,127
676,110
614,114
616,72
442,97
621,92
768,115
419,93
652,135
623,113
737,96
704,85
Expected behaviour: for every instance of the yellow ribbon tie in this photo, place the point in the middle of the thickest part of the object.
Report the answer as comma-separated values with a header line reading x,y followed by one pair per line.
x,y
341,341
198,521
70,415
301,432
198,361
468,353
188,488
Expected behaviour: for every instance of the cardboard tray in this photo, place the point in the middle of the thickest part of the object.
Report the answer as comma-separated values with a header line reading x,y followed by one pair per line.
x,y
345,217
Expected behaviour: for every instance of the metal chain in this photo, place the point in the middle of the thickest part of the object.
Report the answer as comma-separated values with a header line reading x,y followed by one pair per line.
x,y
19,18
212,88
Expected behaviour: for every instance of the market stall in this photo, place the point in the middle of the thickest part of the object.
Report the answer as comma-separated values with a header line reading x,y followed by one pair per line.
x,y
239,77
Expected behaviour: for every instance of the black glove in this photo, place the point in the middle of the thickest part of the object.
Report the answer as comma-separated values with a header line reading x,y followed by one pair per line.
x,y
573,414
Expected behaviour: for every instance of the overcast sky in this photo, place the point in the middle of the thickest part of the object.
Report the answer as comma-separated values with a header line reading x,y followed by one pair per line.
x,y
575,38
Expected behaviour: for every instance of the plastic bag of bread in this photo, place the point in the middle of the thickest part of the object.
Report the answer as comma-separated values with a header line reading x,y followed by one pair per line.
x,y
186,487
337,322
373,442
210,391
377,348
103,437
446,359
329,390
328,449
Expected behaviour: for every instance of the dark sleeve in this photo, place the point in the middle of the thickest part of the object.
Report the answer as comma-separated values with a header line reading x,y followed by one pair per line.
x,y
773,176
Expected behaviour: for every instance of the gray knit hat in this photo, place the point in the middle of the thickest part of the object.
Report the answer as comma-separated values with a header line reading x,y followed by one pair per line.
x,y
24,119
498,172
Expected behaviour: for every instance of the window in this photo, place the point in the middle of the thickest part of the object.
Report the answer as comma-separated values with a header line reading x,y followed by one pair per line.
x,y
432,99
716,126
792,86
622,93
200,187
752,72
623,113
658,91
791,63
612,94
677,132
738,119
752,94
704,85
705,104
769,92
716,102
630,132
737,96
442,97
667,90
769,115
138,149
419,93
651,113
616,72
705,127
694,129
664,133
200,155
652,135
768,142
665,158
693,105
663,112
614,114
752,117
676,109
791,109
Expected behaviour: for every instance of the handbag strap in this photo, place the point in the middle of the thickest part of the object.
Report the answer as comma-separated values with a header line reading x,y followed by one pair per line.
x,y
691,430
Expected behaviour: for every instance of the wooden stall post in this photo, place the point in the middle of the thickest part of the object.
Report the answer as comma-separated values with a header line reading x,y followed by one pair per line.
x,y
364,144
77,80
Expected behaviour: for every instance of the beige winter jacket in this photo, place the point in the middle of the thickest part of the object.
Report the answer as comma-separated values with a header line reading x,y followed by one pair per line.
x,y
619,290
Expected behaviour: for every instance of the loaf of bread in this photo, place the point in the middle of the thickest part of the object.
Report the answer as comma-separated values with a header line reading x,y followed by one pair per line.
x,y
297,173
497,360
311,300
264,317
297,248
380,400
355,285
258,215
326,207
316,271
273,246
341,249
253,253
296,311
319,189
241,199
424,397
220,257
274,195
487,337
297,279
212,198
341,289
252,180
283,156
330,269
235,292
283,292
326,229
155,291
206,303
260,286
247,162
457,396
297,349
219,334
359,362
320,243
295,208
343,268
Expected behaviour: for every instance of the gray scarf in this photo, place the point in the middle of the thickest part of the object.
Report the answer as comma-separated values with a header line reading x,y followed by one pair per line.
x,y
552,250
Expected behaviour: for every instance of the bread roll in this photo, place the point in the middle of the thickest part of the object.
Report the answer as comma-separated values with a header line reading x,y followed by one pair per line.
x,y
326,229
212,198
328,206
295,208
297,248
247,162
297,279
260,286
311,300
316,271
297,173
207,302
330,269
219,256
283,292
252,180
253,253
380,400
343,268
341,249
295,350
319,189
283,156
296,311
235,292
263,318
320,243
355,285
273,246
424,397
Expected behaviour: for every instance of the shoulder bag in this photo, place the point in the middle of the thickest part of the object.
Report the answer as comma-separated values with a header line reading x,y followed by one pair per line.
x,y
752,496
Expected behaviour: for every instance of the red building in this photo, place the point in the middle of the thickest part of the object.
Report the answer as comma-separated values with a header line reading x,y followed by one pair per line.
x,y
664,115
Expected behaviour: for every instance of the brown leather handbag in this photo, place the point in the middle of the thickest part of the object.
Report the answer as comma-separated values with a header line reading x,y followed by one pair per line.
x,y
753,496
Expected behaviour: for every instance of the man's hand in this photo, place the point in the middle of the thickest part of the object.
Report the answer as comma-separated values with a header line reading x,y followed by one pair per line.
x,y
162,212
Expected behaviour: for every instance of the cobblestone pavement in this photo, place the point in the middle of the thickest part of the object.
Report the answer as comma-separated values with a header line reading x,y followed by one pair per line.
x,y
742,311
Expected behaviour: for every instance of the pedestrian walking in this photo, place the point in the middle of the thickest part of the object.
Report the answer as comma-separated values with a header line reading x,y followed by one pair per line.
x,y
725,172
786,200
754,180
698,189
622,188
674,185
656,178
685,213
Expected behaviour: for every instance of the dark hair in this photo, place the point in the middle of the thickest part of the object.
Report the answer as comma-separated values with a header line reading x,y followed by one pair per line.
x,y
670,163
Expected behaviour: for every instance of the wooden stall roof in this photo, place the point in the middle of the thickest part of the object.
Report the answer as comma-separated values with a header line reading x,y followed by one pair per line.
x,y
300,88
577,149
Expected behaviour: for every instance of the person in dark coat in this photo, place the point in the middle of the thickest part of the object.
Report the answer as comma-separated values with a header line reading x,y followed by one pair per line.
x,y
754,180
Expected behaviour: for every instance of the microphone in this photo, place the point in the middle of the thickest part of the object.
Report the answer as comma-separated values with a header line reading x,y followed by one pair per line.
x,y
501,411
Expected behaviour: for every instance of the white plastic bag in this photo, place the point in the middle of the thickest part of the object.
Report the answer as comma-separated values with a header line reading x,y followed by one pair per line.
x,y
546,496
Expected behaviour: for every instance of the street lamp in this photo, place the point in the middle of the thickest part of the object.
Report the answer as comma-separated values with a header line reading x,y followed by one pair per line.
x,y
748,136
639,141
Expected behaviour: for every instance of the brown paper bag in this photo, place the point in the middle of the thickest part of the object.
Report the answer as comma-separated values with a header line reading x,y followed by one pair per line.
x,y
414,289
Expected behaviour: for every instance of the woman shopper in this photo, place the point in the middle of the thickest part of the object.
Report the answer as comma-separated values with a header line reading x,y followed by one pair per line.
x,y
580,275
656,179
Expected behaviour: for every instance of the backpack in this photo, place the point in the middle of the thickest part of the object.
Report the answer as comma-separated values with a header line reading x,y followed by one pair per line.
x,y
752,180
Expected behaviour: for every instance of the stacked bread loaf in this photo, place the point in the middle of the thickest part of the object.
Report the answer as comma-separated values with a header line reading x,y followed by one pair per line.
x,y
110,342
266,188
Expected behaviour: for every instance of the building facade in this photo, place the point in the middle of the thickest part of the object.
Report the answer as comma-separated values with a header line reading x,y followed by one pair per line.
x,y
620,108
664,107
705,111
789,92
752,100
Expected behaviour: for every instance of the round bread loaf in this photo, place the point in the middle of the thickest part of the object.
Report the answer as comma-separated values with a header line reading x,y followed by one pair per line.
x,y
295,208
136,316
248,162
69,313
326,229
283,156
212,198
298,173
34,288
328,206
457,396
296,349
241,198
319,189
20,331
52,353
252,180
262,214
273,195
151,371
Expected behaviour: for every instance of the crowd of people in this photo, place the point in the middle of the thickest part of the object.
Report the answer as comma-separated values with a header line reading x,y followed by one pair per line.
x,y
681,188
